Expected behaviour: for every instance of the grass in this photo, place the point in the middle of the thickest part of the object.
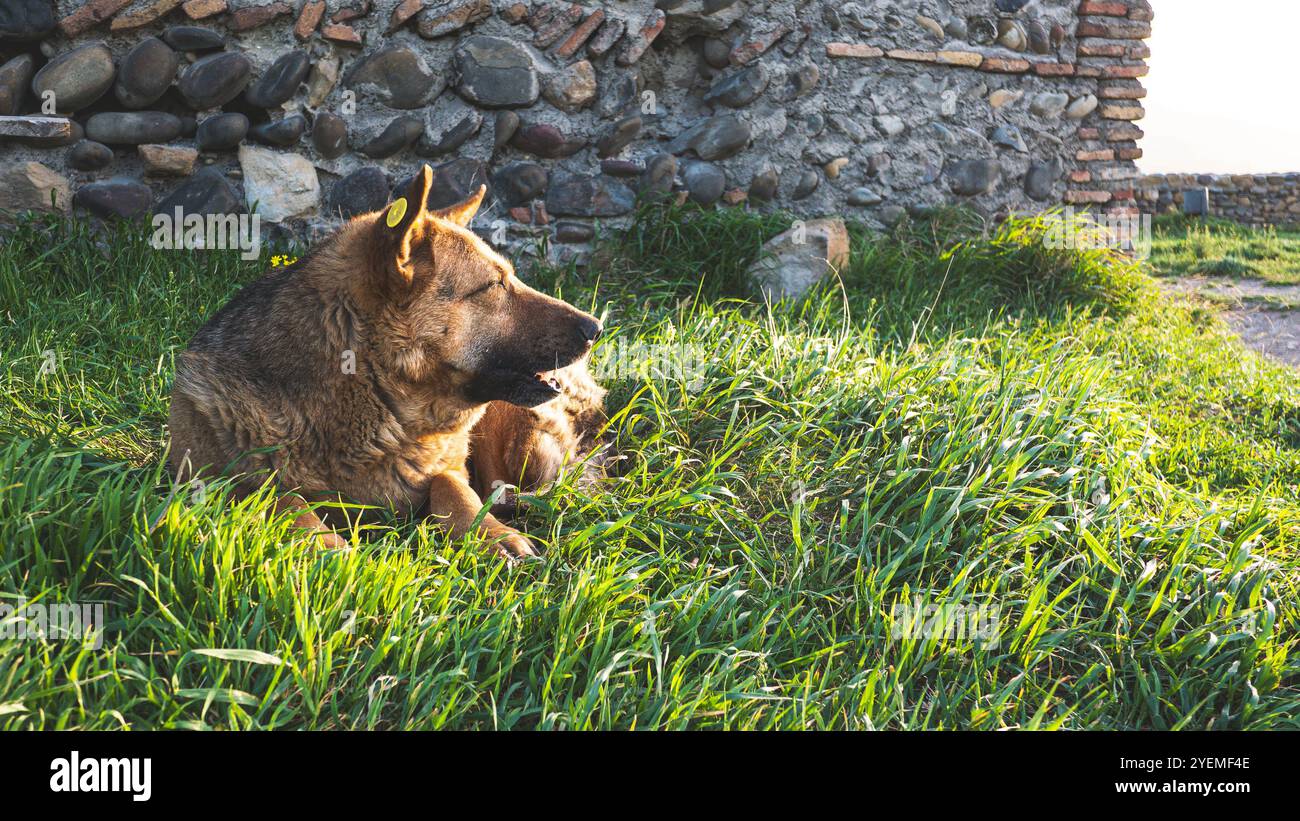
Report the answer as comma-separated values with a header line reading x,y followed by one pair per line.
x,y
972,422
1184,246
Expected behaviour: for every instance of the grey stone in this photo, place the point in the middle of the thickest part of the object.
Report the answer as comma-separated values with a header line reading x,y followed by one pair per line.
x,y
213,81
622,168
398,77
568,231
1009,136
806,184
971,177
1041,178
1049,104
764,184
863,197
133,127
329,134
222,132
572,88
49,135
657,178
281,80
704,181
716,53
1081,107
577,195
146,72
278,185
714,138
800,81
504,126
452,182
456,136
546,141
14,77
360,192
77,78
493,72
795,260
618,135
739,89
30,186
88,155
25,20
283,133
519,183
396,136
193,38
114,199
207,191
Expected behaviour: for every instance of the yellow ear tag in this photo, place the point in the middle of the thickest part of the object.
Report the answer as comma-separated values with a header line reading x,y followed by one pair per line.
x,y
396,212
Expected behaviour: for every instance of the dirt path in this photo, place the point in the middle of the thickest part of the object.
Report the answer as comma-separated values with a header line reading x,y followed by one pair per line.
x,y
1266,316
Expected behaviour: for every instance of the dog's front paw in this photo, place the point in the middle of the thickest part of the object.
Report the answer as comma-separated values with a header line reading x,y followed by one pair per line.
x,y
511,544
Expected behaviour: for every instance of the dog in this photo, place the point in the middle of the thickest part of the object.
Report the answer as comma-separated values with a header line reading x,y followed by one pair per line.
x,y
364,371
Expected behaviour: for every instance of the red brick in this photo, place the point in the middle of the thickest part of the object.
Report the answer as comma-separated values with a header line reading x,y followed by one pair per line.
x,y
343,15
911,56
1082,70
1096,197
1141,10
1125,71
1112,9
1122,92
1102,155
1122,194
402,12
555,28
143,17
1001,65
1129,153
640,41
90,15
1080,176
852,50
1054,69
254,16
1122,112
1113,29
1124,133
1139,52
746,53
581,34
309,19
1089,133
202,9
1101,48
608,35
344,35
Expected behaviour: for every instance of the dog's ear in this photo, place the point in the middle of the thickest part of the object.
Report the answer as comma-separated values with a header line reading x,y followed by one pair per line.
x,y
462,212
401,227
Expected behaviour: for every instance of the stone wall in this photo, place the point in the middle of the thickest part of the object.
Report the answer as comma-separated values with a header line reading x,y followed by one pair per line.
x,y
310,110
1251,199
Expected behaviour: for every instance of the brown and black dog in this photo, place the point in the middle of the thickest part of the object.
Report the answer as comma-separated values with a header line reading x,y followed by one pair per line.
x,y
364,371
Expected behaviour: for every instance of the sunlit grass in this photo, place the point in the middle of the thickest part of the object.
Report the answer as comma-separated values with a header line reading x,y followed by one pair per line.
x,y
967,417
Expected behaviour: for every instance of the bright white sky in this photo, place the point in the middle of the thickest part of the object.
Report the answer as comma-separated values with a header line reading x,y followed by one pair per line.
x,y
1222,88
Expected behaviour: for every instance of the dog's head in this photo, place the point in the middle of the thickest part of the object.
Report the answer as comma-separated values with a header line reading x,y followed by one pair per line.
x,y
453,307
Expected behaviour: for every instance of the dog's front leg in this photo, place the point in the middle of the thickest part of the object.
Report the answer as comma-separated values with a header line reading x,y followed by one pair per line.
x,y
455,503
306,519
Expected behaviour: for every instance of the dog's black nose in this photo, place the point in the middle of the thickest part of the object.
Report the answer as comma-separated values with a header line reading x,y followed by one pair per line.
x,y
589,329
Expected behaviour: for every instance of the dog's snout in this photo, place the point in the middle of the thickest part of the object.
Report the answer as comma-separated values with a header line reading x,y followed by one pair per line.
x,y
589,328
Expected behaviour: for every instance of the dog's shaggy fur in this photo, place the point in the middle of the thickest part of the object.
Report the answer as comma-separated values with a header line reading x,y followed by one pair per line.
x,y
363,371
